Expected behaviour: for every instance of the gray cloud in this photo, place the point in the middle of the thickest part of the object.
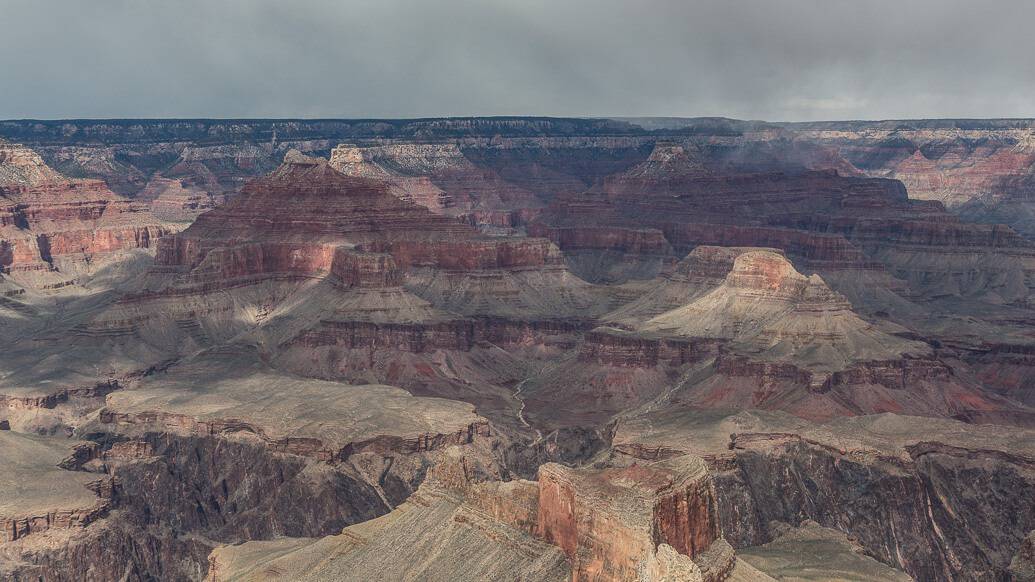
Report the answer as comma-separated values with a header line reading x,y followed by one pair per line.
x,y
757,59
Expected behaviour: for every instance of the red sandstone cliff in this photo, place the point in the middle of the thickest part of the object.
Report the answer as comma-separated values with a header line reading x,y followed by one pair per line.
x,y
611,523
48,222
297,220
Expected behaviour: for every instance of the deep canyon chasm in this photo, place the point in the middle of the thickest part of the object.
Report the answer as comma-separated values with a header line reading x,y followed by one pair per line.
x,y
517,348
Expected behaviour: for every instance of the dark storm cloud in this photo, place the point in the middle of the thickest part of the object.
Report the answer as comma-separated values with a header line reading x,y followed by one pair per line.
x,y
762,59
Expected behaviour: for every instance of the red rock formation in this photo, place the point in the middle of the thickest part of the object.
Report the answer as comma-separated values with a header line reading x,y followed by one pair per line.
x,y
247,259
423,337
951,166
46,218
918,386
612,522
503,219
471,254
359,269
821,220
817,250
613,347
1007,368
626,240
300,218
711,210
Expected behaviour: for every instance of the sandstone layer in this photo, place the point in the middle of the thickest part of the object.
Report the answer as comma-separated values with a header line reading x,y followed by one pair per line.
x,y
52,227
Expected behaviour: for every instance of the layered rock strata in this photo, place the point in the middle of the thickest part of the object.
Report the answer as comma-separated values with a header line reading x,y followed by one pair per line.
x,y
323,217
440,532
869,477
612,524
766,306
50,223
38,495
175,200
655,523
821,220
249,448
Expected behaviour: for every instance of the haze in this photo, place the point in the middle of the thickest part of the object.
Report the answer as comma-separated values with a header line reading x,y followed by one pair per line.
x,y
758,59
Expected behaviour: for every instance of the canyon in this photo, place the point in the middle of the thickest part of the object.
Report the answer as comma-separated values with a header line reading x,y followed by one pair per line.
x,y
517,349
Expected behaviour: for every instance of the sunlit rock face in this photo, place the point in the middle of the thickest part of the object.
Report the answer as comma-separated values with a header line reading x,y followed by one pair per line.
x,y
768,306
52,227
307,203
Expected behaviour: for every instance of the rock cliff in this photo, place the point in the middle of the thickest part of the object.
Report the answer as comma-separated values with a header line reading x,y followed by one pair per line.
x,y
52,227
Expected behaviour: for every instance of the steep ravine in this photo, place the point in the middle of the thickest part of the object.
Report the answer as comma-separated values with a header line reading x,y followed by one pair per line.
x,y
175,498
944,514
938,512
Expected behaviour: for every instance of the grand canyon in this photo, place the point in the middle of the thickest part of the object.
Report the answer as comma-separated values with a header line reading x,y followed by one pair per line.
x,y
517,348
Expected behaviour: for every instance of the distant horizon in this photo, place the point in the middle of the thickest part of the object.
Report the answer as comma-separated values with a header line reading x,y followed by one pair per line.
x,y
510,116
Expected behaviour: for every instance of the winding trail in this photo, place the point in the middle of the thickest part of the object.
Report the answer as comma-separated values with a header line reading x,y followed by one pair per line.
x,y
521,410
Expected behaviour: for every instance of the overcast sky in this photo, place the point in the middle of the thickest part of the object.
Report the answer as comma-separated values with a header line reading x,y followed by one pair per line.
x,y
752,59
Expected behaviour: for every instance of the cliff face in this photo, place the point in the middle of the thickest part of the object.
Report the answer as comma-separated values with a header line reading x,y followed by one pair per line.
x,y
929,488
243,449
980,167
872,477
497,184
49,223
238,492
611,524
823,221
951,165
561,520
317,210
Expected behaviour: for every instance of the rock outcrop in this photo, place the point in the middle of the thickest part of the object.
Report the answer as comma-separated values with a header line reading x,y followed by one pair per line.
x,y
614,524
822,221
923,476
702,270
767,307
953,165
870,477
478,531
38,495
322,214
50,224
639,523
247,445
